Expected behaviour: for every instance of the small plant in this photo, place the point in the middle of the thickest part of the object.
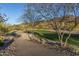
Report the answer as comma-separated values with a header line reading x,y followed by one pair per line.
x,y
1,41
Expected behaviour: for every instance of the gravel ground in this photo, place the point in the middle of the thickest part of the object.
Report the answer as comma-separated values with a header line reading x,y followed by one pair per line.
x,y
8,51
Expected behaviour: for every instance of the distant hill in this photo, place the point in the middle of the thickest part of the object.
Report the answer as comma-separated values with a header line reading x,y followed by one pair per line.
x,y
46,24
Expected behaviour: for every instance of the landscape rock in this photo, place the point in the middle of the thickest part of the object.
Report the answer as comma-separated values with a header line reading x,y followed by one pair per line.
x,y
44,41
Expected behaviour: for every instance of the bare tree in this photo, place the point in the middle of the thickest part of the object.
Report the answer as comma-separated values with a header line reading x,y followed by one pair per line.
x,y
3,17
63,17
29,15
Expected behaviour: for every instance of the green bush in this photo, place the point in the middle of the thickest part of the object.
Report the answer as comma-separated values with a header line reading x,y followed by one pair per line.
x,y
1,43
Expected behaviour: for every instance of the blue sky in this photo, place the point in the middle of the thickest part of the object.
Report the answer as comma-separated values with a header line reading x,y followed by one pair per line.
x,y
13,11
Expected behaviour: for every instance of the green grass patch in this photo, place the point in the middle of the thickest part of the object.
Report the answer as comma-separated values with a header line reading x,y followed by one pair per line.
x,y
46,34
10,32
74,39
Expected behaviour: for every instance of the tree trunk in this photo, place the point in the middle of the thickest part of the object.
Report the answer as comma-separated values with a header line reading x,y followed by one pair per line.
x,y
65,44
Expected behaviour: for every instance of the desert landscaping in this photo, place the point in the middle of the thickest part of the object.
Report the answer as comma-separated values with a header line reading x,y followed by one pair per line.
x,y
44,30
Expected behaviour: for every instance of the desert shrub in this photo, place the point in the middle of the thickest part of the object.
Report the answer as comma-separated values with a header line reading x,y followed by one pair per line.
x,y
1,41
4,28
